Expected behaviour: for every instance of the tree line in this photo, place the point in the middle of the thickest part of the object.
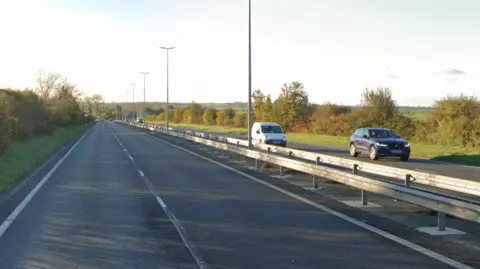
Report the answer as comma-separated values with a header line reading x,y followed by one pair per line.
x,y
29,113
453,121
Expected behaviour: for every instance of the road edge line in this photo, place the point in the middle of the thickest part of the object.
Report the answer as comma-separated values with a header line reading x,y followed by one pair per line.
x,y
26,200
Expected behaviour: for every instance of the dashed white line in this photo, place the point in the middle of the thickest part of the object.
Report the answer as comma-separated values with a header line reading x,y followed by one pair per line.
x,y
11,218
368,227
161,202
176,223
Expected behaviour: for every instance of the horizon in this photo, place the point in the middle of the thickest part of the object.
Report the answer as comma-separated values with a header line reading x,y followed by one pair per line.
x,y
423,51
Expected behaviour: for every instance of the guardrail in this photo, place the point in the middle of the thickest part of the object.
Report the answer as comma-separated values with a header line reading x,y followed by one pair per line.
x,y
408,176
440,203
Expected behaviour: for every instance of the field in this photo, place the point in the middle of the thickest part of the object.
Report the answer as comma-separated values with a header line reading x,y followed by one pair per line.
x,y
19,161
419,150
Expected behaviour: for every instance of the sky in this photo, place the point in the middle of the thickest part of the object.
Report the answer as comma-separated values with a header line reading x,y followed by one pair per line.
x,y
422,50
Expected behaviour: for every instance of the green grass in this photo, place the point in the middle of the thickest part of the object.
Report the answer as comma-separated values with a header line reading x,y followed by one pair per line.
x,y
419,150
208,128
23,158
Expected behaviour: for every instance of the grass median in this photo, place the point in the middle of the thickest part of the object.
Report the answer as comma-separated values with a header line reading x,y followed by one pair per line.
x,y
23,158
433,152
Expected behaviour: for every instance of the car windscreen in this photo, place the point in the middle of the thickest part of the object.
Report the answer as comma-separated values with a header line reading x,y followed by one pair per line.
x,y
381,133
271,129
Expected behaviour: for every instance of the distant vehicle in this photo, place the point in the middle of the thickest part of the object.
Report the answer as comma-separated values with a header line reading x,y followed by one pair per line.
x,y
379,142
139,120
268,133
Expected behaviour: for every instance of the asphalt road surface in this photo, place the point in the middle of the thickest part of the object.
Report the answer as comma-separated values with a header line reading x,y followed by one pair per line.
x,y
434,167
97,211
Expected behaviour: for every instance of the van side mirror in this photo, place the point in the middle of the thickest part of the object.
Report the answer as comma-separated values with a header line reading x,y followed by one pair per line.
x,y
365,136
258,132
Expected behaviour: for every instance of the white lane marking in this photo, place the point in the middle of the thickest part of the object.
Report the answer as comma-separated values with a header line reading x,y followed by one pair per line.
x,y
161,202
130,157
382,233
176,223
11,218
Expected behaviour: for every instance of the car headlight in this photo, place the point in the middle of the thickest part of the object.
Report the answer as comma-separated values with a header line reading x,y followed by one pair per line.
x,y
381,145
407,145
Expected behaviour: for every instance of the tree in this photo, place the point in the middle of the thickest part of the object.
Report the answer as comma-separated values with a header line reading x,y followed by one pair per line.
x,y
5,117
225,116
193,113
240,120
267,110
97,100
378,107
331,119
177,115
258,103
455,121
291,107
48,83
209,116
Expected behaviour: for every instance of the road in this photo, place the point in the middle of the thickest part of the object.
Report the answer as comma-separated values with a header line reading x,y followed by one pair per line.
x,y
97,211
434,167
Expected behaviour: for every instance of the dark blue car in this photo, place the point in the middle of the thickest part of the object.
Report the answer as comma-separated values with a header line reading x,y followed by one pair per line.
x,y
379,142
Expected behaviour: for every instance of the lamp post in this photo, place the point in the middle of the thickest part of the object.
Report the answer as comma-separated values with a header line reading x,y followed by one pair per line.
x,y
250,123
144,75
166,106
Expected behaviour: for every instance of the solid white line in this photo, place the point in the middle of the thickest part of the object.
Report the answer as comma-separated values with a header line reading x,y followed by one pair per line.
x,y
176,223
11,218
387,235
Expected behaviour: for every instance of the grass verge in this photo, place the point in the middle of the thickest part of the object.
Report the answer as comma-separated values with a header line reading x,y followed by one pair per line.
x,y
461,155
23,158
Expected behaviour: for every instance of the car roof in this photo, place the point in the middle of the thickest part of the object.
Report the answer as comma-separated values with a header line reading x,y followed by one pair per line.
x,y
373,128
268,123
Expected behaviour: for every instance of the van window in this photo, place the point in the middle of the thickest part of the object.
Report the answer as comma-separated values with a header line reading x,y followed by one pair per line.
x,y
271,129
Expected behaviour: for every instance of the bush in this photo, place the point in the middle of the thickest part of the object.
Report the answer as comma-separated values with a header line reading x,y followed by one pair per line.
x,y
455,121
5,132
240,120
209,116
26,114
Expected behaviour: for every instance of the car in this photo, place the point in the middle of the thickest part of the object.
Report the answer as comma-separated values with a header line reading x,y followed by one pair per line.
x,y
268,133
379,142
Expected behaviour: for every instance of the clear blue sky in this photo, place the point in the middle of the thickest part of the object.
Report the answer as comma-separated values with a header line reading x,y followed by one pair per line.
x,y
423,50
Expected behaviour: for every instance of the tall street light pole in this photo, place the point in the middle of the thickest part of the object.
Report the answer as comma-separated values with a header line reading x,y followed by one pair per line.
x,y
144,75
250,123
133,92
166,107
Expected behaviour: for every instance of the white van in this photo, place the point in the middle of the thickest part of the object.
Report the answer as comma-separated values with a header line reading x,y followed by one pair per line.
x,y
268,133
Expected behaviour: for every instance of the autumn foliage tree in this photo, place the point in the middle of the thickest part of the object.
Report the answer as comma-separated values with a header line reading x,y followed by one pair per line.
x,y
455,121
209,116
25,114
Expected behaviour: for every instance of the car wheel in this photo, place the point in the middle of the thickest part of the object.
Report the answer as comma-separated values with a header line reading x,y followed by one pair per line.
x,y
404,158
373,153
353,150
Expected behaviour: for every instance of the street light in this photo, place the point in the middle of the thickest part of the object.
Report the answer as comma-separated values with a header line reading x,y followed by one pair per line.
x,y
250,74
166,107
133,92
144,75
